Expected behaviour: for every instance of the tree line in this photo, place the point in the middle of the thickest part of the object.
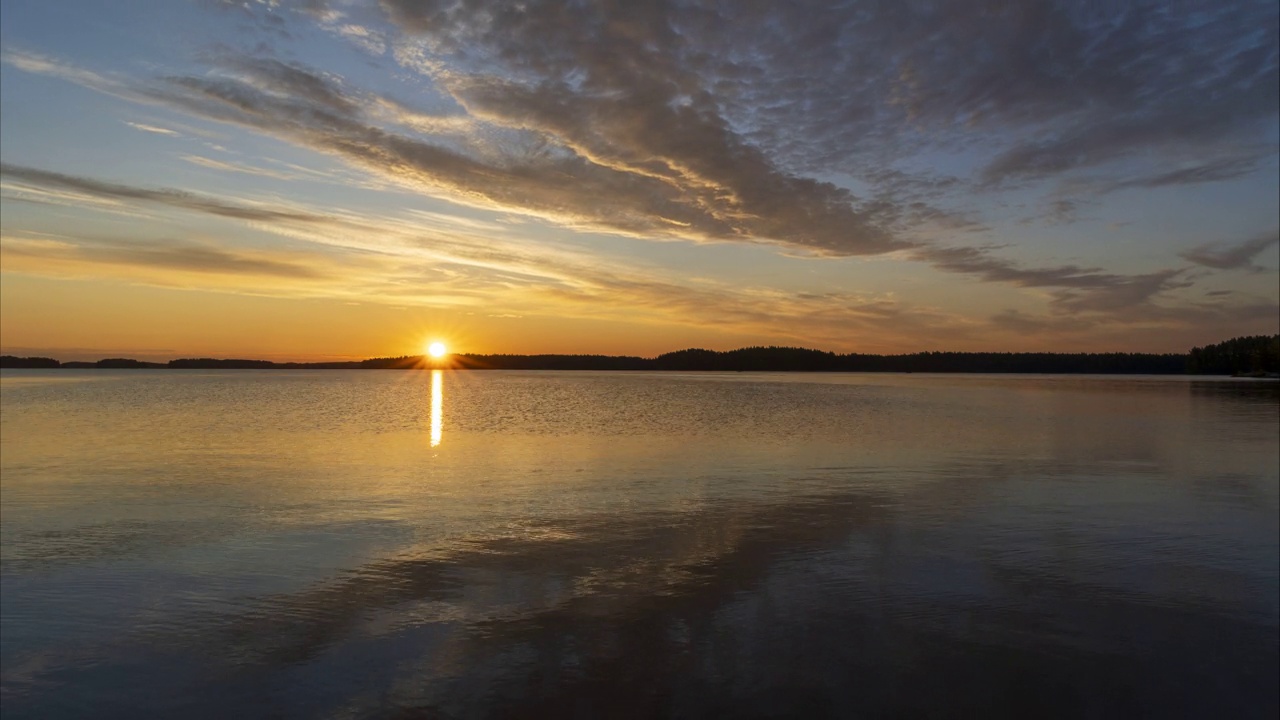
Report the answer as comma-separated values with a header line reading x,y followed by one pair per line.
x,y
1242,355
1254,354
757,359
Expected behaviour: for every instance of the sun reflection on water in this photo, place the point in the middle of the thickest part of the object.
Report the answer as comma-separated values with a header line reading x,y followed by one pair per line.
x,y
437,406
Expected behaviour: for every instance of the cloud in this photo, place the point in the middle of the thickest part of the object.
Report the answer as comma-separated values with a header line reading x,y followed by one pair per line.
x,y
1120,294
1077,289
409,261
543,289
1231,257
241,168
370,41
1206,172
44,65
721,122
980,263
1044,88
164,255
152,129
1173,172
590,191
172,198
188,264
29,193
422,259
1088,289
783,124
666,96
292,82
573,187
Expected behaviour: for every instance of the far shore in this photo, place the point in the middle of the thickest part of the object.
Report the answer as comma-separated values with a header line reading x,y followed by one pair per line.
x,y
1256,357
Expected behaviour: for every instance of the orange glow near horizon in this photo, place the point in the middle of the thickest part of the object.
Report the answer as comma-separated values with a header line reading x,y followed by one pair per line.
x,y
92,319
437,349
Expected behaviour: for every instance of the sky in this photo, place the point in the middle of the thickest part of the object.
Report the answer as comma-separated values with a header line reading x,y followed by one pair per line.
x,y
328,179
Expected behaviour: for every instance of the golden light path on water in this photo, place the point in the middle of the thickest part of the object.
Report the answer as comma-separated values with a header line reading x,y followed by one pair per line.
x,y
437,406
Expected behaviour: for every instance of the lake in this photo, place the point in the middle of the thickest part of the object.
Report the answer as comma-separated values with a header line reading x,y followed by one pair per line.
x,y
424,544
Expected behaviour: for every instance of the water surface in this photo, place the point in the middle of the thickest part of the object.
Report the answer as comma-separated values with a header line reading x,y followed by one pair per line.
x,y
503,544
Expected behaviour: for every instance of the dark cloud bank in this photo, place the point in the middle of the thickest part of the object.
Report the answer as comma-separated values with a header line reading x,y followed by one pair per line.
x,y
712,120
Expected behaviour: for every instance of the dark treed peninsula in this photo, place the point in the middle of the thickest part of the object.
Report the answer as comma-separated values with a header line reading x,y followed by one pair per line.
x,y
1254,355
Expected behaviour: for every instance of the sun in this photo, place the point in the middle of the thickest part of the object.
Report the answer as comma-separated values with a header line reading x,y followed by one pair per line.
x,y
437,350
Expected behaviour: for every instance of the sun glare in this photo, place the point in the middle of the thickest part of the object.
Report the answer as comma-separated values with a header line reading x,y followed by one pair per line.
x,y
437,350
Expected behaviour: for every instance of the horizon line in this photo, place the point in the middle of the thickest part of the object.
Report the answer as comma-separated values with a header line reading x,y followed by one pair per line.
x,y
438,361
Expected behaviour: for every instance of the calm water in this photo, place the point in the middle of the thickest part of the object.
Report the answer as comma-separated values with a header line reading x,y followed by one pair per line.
x,y
512,544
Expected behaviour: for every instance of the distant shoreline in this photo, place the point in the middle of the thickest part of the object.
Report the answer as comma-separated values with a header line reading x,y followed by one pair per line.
x,y
1255,356
1088,373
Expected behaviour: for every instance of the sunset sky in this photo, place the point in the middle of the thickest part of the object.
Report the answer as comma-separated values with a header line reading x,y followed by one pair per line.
x,y
309,180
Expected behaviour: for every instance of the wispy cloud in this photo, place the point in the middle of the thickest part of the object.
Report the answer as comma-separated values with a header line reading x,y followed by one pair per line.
x,y
408,261
24,192
1078,289
241,168
567,187
1220,256
162,255
154,129
404,261
172,198
972,261
1214,170
1121,293
45,65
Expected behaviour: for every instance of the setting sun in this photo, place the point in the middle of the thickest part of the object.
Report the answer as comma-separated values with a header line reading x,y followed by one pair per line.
x,y
437,350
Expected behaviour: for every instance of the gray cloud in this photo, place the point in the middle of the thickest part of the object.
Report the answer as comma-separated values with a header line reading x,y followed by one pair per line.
x,y
1082,289
1120,294
172,198
614,192
293,82
166,255
736,97
186,256
659,197
1047,87
981,264
1215,170
732,107
1230,257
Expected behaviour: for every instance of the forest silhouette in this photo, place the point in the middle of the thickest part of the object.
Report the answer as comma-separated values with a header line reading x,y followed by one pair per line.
x,y
1257,355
